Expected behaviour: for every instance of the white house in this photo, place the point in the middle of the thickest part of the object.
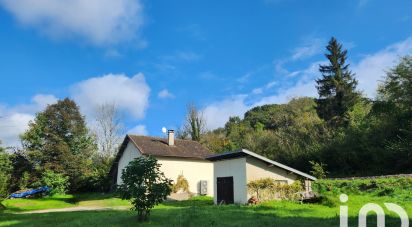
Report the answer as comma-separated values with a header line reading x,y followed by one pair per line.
x,y
176,157
223,176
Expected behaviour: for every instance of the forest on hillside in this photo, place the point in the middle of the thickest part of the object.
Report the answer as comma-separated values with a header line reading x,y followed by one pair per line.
x,y
341,131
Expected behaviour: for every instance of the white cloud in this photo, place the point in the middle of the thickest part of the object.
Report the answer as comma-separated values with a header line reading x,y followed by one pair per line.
x,y
41,101
12,126
97,21
164,94
310,48
301,89
244,78
14,120
129,94
138,130
218,113
257,91
371,69
305,86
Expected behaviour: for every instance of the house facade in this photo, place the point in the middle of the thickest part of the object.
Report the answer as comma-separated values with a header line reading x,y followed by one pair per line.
x,y
223,176
177,157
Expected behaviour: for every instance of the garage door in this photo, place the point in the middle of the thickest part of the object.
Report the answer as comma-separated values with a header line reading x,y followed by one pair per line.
x,y
224,190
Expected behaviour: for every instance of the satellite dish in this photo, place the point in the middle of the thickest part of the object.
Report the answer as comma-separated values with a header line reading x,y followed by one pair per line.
x,y
164,130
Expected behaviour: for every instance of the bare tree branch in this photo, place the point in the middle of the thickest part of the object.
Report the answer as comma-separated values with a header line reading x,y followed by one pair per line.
x,y
108,129
195,124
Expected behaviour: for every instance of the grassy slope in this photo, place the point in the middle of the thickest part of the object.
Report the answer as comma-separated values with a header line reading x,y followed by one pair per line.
x,y
203,213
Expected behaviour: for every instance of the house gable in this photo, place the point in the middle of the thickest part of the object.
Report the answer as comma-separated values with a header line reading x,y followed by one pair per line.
x,y
130,152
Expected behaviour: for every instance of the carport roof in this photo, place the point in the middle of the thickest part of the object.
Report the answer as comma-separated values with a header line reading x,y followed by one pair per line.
x,y
244,153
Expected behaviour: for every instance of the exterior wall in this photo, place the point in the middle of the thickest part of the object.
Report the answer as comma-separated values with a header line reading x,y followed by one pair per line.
x,y
235,168
256,169
130,153
193,170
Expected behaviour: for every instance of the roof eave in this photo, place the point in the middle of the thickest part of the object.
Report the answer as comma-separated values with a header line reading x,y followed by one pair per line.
x,y
279,164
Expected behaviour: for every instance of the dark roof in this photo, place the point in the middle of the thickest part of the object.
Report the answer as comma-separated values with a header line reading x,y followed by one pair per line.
x,y
156,146
244,152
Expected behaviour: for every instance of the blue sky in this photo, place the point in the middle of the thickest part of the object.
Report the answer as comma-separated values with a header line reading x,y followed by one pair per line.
x,y
152,58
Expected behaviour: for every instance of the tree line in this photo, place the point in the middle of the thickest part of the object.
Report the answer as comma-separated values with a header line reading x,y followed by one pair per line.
x,y
341,132
59,150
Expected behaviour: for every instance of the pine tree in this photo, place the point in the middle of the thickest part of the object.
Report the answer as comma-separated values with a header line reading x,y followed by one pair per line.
x,y
337,87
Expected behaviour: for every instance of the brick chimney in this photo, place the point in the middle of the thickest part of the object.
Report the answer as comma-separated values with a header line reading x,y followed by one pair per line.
x,y
171,137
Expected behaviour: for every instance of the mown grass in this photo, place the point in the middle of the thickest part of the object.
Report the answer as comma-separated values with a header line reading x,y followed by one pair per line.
x,y
64,201
202,212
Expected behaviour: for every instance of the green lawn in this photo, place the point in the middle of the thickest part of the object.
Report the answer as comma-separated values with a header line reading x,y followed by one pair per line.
x,y
63,201
196,212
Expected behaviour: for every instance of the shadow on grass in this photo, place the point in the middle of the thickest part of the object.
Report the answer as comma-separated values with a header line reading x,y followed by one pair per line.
x,y
188,203
189,216
93,196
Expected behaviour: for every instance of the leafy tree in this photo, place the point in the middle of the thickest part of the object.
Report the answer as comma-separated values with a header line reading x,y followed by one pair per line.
x,y
145,185
318,170
292,133
5,169
337,87
397,87
23,182
263,115
56,181
99,179
217,141
236,130
395,96
58,140
21,171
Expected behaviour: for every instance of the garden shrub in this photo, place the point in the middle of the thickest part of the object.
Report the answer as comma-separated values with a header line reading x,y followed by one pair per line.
x,y
56,181
181,184
267,189
393,186
144,185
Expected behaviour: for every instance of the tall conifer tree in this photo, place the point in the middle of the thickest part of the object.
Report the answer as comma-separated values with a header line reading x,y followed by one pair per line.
x,y
337,87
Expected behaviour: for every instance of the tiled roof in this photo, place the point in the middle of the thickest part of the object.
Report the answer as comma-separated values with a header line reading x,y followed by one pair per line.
x,y
158,147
